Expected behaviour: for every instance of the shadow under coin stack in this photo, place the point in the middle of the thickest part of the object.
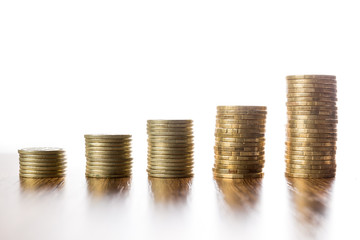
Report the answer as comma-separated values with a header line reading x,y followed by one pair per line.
x,y
108,156
42,162
239,141
170,148
311,127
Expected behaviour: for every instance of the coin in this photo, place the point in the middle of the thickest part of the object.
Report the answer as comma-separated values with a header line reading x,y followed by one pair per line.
x,y
310,162
311,166
233,175
305,175
51,175
297,85
236,171
258,108
309,130
41,151
310,144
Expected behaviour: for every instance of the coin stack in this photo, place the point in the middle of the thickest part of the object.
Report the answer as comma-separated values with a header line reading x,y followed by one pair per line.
x,y
170,148
108,156
42,162
239,141
311,127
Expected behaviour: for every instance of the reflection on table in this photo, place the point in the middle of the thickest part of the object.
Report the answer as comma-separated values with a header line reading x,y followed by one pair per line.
x,y
239,194
100,187
170,190
310,199
41,184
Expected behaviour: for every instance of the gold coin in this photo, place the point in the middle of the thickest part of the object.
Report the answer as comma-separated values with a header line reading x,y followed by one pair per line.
x,y
238,130
312,148
30,175
311,77
301,103
239,162
238,166
107,141
156,175
312,81
312,99
239,139
169,125
312,117
310,166
241,126
240,135
313,126
170,142
292,157
310,162
313,112
240,154
104,152
97,175
259,108
170,121
310,85
108,145
42,168
109,149
241,144
307,130
106,136
170,138
242,117
162,129
233,175
110,169
312,135
42,164
311,95
171,145
311,153
310,171
40,173
313,121
311,108
236,171
173,148
237,149
307,175
41,151
310,144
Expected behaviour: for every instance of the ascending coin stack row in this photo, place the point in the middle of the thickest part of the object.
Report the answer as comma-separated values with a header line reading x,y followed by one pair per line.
x,y
108,156
42,162
239,141
170,148
311,126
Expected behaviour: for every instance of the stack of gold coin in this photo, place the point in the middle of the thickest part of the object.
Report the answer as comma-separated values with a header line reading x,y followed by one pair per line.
x,y
170,148
311,127
108,156
239,141
42,162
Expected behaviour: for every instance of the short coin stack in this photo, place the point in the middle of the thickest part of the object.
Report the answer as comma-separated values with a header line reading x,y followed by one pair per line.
x,y
170,148
108,156
239,141
311,126
42,162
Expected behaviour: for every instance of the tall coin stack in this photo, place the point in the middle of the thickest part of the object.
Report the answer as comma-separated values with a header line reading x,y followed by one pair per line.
x,y
170,148
239,141
108,156
42,162
311,127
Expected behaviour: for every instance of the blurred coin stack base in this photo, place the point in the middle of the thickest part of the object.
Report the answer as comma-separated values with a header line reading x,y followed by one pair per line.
x,y
108,156
42,162
311,127
170,148
239,141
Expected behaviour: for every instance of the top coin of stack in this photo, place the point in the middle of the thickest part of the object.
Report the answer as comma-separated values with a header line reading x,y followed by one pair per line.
x,y
170,148
42,162
239,141
311,128
108,156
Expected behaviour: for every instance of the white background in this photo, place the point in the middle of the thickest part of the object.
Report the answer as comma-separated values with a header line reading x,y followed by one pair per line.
x,y
74,67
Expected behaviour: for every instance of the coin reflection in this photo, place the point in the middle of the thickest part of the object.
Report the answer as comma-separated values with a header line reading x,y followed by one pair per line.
x,y
99,187
310,198
170,190
35,184
240,194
